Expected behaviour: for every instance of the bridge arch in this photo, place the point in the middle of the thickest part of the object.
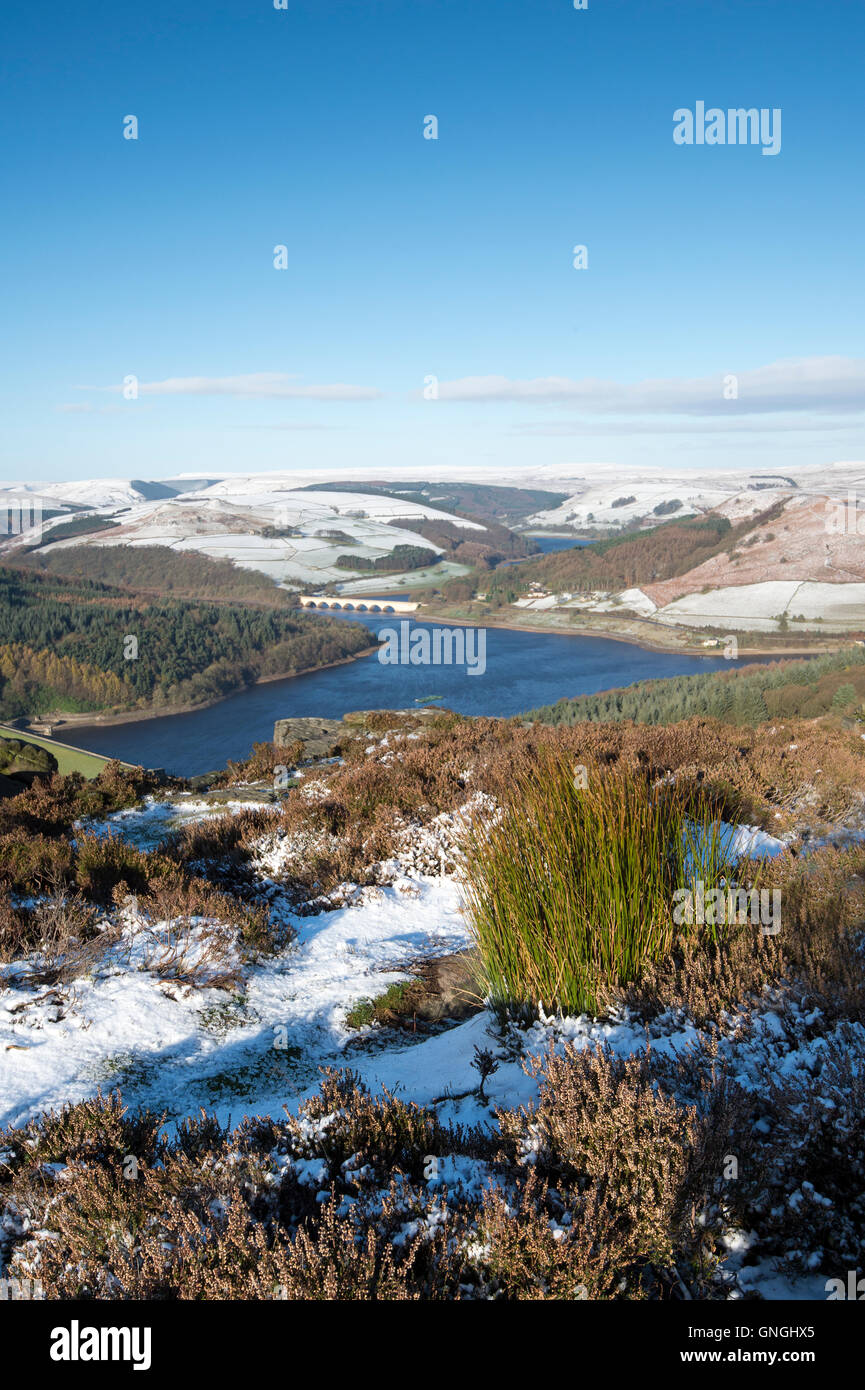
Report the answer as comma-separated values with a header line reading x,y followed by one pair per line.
x,y
384,606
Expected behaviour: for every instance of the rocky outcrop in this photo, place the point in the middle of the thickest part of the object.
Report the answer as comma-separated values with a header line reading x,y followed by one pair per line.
x,y
319,736
323,737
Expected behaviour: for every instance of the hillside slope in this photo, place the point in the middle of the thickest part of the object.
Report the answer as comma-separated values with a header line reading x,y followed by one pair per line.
x,y
793,543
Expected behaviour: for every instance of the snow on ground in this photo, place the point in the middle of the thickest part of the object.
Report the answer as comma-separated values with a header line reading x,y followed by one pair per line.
x,y
263,489
101,493
596,505
598,602
175,1048
224,532
755,607
224,519
741,492
745,607
737,494
749,840
638,601
151,820
541,602
260,1048
445,569
609,497
171,1046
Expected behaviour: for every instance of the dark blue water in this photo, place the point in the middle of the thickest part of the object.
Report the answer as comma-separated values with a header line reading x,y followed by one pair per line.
x,y
523,670
546,544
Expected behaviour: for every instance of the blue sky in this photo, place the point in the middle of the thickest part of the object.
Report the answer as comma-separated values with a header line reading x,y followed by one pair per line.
x,y
410,258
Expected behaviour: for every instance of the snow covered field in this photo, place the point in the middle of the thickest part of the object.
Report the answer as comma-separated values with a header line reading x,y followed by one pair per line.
x,y
224,519
755,607
608,496
592,490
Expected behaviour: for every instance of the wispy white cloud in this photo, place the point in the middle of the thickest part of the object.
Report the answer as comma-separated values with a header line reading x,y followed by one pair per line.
x,y
87,408
256,386
814,423
815,384
295,426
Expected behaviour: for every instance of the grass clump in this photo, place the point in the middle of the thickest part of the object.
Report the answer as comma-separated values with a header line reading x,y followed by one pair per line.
x,y
384,1008
572,888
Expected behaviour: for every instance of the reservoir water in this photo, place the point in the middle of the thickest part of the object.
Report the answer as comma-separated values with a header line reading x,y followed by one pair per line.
x,y
523,670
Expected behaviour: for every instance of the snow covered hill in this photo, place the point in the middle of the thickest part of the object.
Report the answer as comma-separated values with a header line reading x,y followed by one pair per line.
x,y
226,518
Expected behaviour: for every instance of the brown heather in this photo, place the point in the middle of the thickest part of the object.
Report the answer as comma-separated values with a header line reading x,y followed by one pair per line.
x,y
261,764
749,775
53,804
219,848
822,776
371,800
616,1155
623,1170
606,1188
816,954
609,1186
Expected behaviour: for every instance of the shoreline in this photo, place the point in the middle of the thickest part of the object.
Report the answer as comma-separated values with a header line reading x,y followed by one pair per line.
x,y
787,653
71,722
104,721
